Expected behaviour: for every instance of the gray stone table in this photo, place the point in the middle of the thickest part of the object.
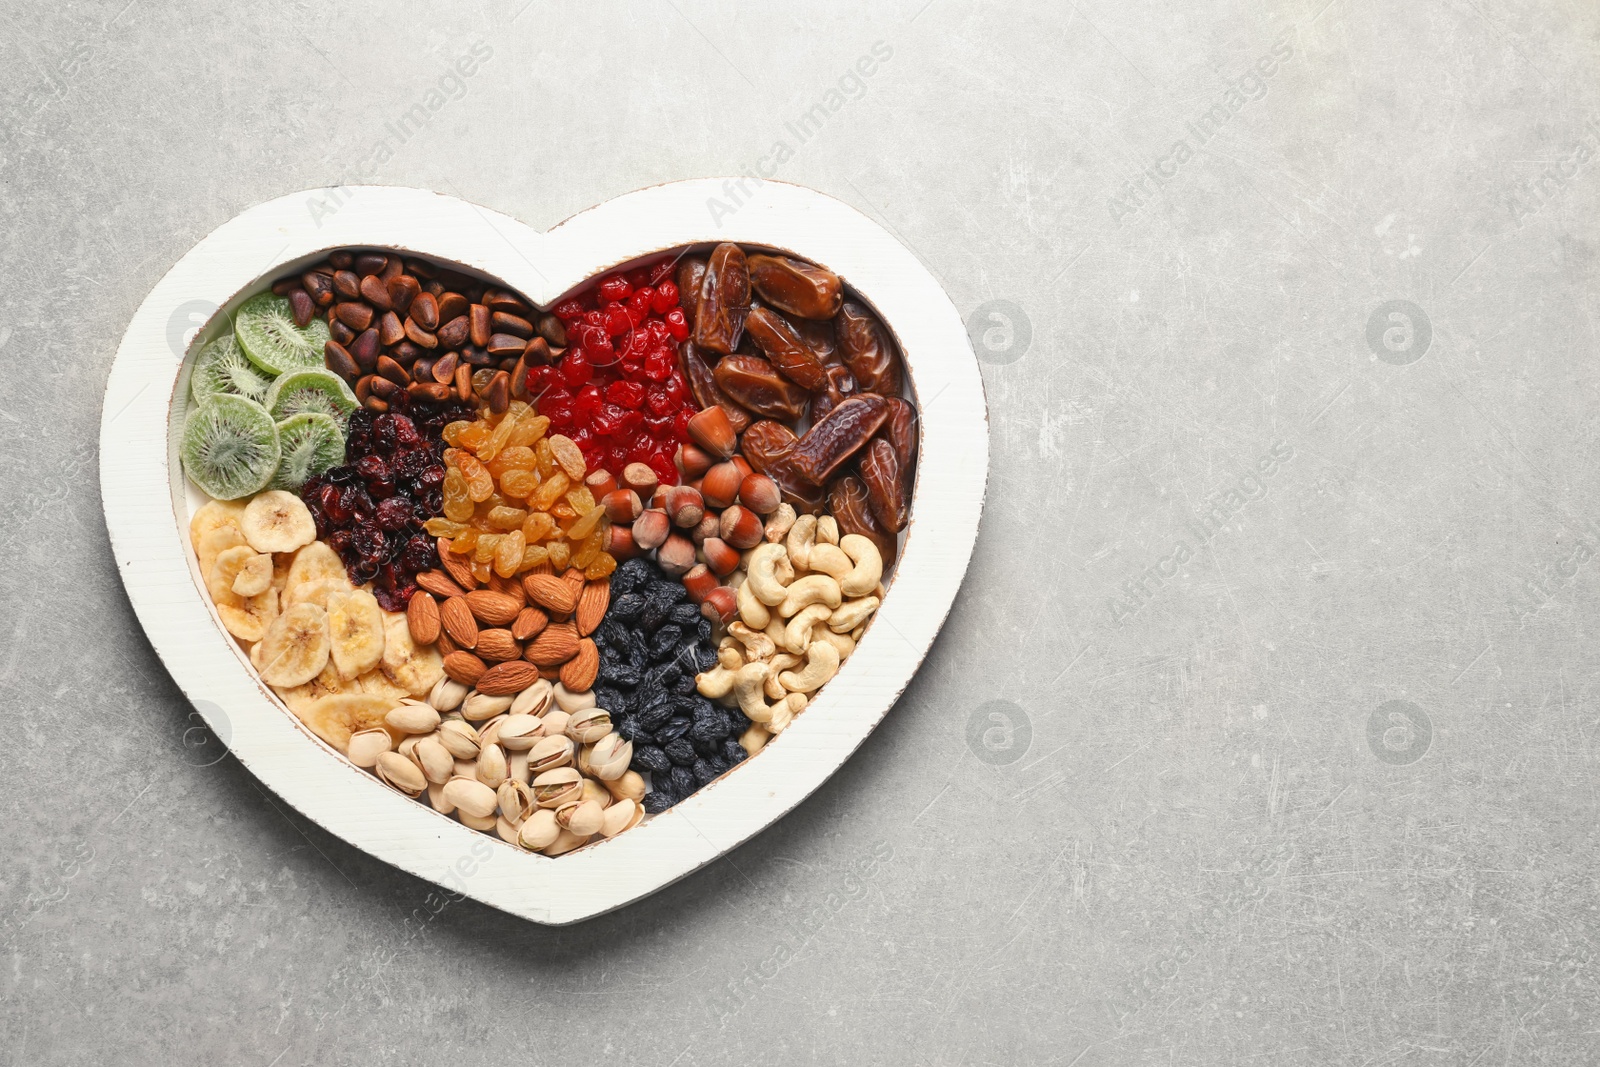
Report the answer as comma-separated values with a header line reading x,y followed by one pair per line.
x,y
1264,729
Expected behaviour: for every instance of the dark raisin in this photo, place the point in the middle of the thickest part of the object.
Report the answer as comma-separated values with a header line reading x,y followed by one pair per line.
x,y
733,752
680,752
705,771
630,575
611,633
703,630
658,801
686,615
650,758
654,716
665,642
628,729
672,731
626,607
683,686
681,781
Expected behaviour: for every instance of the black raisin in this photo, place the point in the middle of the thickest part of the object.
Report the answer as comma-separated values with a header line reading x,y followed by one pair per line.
x,y
629,729
703,630
657,801
654,716
682,781
680,751
686,615
665,642
607,697
631,575
612,632
733,752
683,686
709,728
650,758
705,657
672,731
705,771
627,607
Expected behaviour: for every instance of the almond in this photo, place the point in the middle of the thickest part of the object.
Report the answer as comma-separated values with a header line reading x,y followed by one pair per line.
x,y
503,679
579,672
592,604
460,571
557,644
422,616
511,587
445,645
529,622
439,584
458,622
495,609
551,592
498,645
464,667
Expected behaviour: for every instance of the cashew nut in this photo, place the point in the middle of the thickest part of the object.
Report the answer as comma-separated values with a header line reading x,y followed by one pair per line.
x,y
830,560
852,614
812,589
715,683
843,642
755,738
749,684
868,565
730,656
766,580
783,712
828,530
779,525
822,663
802,535
757,644
751,609
781,662
797,635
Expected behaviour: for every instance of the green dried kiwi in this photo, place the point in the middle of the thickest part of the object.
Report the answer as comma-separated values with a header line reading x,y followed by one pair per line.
x,y
265,329
301,391
311,443
222,368
230,447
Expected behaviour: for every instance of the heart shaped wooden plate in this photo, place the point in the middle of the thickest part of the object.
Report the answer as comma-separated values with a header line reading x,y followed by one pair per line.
x,y
147,507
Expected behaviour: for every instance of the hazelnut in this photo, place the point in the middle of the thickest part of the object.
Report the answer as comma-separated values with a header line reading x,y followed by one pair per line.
x,y
685,506
676,555
721,485
721,557
650,529
699,581
740,527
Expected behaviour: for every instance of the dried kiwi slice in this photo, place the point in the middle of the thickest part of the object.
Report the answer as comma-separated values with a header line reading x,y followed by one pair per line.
x,y
311,443
222,368
230,447
316,391
264,326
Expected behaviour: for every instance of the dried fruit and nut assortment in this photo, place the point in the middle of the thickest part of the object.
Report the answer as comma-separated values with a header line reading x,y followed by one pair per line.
x,y
550,572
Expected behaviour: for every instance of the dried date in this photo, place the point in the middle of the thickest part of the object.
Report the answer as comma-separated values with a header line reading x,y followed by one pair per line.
x,y
703,384
784,348
867,350
691,273
901,430
846,430
885,484
802,289
767,445
818,334
849,506
841,386
724,300
756,384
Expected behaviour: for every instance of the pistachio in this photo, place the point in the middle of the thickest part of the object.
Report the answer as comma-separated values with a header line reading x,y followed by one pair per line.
x,y
435,760
460,740
593,790
516,801
436,798
609,757
508,833
518,733
491,768
630,786
555,788
471,797
534,700
565,842
569,701
539,830
447,694
517,767
481,706
584,818
589,725
489,732
619,817
555,722
400,773
548,753
483,823
413,718
367,745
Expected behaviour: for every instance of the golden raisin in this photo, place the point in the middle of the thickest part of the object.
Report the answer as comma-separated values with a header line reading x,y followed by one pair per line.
x,y
504,518
566,453
560,555
602,567
549,492
508,554
518,484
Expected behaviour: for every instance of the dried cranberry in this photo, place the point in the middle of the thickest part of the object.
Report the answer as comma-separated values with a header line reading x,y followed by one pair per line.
x,y
383,433
420,554
405,432
394,513
614,287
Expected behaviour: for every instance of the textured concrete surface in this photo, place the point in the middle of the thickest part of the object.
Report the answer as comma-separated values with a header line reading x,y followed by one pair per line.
x,y
1264,730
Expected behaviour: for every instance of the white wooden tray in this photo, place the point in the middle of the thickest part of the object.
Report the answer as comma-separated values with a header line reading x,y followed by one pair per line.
x,y
147,509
